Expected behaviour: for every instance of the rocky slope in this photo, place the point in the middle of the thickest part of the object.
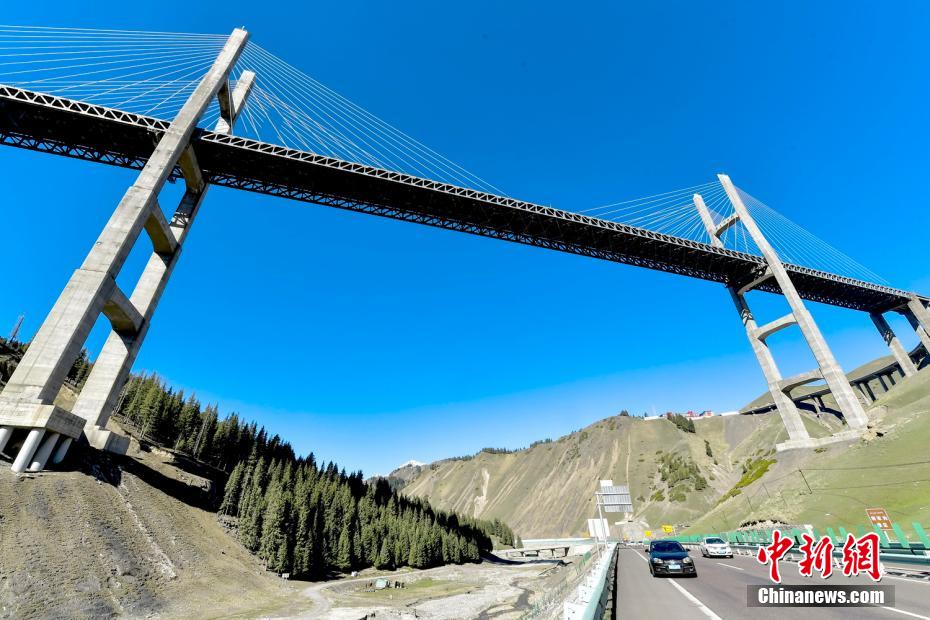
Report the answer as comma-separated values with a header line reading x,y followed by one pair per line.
x,y
123,537
716,478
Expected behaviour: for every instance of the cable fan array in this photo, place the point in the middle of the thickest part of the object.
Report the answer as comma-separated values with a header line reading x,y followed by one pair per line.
x,y
150,73
153,73
290,108
674,213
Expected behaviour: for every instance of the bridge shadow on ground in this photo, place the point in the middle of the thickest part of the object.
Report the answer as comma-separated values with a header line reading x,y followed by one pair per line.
x,y
108,468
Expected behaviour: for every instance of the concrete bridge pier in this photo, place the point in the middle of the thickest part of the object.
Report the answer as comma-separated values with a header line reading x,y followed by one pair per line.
x,y
101,391
828,369
894,344
45,450
62,451
28,399
26,452
788,411
919,317
5,433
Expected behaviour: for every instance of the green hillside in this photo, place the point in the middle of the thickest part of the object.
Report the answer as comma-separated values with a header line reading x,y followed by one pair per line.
x,y
735,478
889,468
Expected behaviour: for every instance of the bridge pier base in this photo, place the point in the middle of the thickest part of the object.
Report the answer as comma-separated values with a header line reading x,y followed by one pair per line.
x,y
5,433
62,451
28,399
28,449
45,450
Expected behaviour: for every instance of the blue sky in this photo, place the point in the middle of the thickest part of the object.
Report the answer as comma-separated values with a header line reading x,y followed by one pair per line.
x,y
371,342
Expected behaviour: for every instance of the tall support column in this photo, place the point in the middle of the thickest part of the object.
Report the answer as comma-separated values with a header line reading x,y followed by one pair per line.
x,y
830,370
788,411
790,416
100,393
5,433
897,349
92,289
919,318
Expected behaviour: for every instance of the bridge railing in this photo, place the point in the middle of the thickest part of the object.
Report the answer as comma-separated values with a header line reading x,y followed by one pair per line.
x,y
552,603
592,597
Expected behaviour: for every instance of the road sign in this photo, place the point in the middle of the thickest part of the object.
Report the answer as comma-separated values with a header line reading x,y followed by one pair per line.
x,y
668,529
879,517
614,498
648,533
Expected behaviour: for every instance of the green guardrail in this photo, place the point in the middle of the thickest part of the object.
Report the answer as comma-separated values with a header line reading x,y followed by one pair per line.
x,y
900,546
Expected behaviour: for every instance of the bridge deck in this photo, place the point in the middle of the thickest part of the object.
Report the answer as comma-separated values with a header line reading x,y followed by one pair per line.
x,y
61,126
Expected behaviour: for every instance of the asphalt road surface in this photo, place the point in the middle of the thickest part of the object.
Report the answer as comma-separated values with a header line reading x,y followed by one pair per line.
x,y
719,591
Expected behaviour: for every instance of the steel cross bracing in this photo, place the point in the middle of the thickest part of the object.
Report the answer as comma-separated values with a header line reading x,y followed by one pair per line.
x,y
71,128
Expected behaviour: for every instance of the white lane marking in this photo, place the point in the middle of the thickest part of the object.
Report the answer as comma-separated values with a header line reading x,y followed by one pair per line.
x,y
730,566
906,613
701,606
894,609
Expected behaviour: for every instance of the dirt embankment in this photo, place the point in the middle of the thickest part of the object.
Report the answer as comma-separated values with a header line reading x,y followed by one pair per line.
x,y
123,537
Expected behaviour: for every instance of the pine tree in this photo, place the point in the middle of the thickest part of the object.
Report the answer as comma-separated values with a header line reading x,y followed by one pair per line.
x,y
230,504
252,507
274,547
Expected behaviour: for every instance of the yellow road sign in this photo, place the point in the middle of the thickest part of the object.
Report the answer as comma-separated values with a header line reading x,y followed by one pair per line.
x,y
648,533
668,529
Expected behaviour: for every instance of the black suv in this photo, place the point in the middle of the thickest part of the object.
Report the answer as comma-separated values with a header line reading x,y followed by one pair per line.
x,y
668,557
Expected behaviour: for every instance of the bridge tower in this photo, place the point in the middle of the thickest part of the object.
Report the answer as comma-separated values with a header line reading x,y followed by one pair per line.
x,y
828,369
27,402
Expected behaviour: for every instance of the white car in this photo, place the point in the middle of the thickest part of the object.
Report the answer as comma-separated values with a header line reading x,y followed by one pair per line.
x,y
713,546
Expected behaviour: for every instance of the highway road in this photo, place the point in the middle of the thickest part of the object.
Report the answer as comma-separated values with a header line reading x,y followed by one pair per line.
x,y
719,591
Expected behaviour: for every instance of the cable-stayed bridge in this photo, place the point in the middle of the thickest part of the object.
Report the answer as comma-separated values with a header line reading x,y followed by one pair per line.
x,y
166,104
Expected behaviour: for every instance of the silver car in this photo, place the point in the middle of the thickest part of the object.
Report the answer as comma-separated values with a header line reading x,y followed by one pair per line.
x,y
713,546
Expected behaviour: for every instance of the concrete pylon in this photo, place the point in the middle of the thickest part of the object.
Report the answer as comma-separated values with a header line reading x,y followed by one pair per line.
x,y
919,318
5,433
92,290
830,370
897,349
100,393
788,411
790,416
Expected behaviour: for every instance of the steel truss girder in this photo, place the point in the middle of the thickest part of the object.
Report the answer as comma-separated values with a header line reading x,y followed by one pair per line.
x,y
95,133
